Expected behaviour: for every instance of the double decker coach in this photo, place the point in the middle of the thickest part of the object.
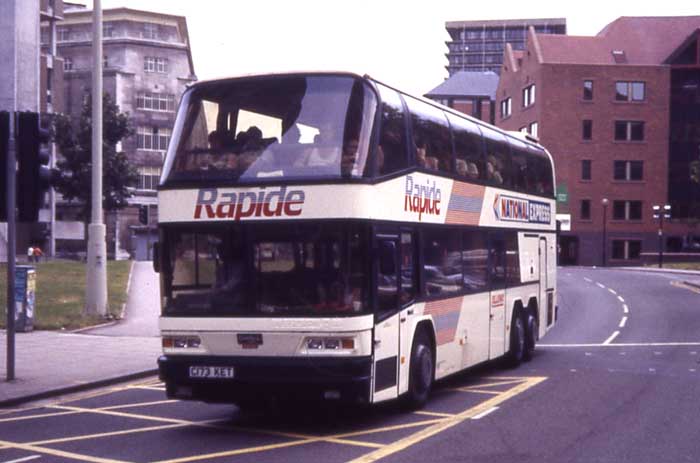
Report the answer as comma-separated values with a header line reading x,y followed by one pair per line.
x,y
323,235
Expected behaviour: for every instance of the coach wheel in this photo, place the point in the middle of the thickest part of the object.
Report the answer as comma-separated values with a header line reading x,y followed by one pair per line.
x,y
517,341
422,371
531,334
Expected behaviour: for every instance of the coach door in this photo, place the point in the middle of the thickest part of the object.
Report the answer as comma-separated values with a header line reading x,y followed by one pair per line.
x,y
546,296
497,295
387,245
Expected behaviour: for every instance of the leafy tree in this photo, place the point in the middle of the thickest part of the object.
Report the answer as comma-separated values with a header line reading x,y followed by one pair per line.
x,y
75,145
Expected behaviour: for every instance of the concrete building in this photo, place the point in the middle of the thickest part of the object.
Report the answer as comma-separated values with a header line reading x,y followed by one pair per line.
x,y
620,113
479,45
472,93
31,79
147,64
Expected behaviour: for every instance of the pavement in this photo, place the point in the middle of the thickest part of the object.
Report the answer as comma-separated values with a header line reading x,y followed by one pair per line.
x,y
52,363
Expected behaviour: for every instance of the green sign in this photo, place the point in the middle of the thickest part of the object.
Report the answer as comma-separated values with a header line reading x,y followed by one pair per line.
x,y
562,193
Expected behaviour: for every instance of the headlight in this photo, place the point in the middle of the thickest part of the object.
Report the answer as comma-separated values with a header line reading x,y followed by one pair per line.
x,y
330,344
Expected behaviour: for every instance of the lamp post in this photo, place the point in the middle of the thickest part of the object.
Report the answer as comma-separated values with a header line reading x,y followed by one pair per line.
x,y
661,213
604,202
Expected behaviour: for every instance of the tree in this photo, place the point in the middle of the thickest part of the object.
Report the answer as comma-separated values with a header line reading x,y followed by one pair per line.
x,y
75,165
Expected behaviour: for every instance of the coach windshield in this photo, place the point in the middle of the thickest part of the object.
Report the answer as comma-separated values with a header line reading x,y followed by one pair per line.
x,y
265,270
256,129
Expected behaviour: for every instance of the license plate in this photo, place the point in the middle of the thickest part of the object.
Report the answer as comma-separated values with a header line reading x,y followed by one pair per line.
x,y
211,372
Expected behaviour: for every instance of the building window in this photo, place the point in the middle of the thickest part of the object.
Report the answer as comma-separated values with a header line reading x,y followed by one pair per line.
x,y
626,249
63,34
533,129
154,64
152,138
586,169
149,178
107,30
629,130
155,101
150,31
588,90
629,91
627,210
587,129
585,209
529,96
506,107
67,64
628,170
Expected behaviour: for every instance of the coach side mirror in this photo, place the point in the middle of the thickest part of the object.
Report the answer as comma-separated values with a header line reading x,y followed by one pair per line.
x,y
387,258
156,257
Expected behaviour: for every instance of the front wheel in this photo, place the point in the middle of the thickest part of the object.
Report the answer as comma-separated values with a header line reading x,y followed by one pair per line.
x,y
421,372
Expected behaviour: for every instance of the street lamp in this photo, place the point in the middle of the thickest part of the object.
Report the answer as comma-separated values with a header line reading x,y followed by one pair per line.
x,y
661,215
604,202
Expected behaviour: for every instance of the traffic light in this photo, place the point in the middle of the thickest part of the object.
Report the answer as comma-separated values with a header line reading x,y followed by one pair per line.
x,y
143,214
4,145
33,173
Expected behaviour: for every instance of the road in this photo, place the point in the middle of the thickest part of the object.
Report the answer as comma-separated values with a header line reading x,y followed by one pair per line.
x,y
617,380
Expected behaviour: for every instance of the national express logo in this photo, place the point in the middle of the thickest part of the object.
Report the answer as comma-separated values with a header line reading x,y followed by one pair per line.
x,y
510,209
423,199
211,204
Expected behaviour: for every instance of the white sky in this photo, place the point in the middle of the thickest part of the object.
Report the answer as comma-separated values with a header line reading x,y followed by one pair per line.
x,y
401,42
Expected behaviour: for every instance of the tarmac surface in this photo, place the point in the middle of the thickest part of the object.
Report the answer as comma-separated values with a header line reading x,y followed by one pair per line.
x,y
51,363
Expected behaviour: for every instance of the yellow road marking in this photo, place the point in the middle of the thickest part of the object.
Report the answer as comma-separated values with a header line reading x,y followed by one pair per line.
x,y
148,388
423,412
43,415
57,453
680,284
229,453
386,428
122,414
478,391
174,421
141,404
109,434
448,422
507,382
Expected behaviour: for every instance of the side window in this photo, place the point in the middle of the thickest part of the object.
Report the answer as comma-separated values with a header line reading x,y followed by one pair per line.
x,y
497,158
497,261
431,136
392,154
521,177
475,259
469,148
512,260
442,265
408,277
540,168
387,282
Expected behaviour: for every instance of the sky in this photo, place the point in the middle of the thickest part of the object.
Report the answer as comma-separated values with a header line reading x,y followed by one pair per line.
x,y
399,42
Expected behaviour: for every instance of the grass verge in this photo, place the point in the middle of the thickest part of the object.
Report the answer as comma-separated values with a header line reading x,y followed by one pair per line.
x,y
60,293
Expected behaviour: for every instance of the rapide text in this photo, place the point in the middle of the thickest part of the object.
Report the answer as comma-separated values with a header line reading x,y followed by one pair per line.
x,y
423,199
212,204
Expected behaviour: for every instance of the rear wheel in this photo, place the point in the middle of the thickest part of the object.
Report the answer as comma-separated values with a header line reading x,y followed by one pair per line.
x,y
532,329
517,341
421,372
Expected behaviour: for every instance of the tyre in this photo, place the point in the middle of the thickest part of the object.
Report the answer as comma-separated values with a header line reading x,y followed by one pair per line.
x,y
421,373
516,352
532,332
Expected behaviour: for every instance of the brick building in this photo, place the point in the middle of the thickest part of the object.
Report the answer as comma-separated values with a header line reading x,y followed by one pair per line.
x,y
620,113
